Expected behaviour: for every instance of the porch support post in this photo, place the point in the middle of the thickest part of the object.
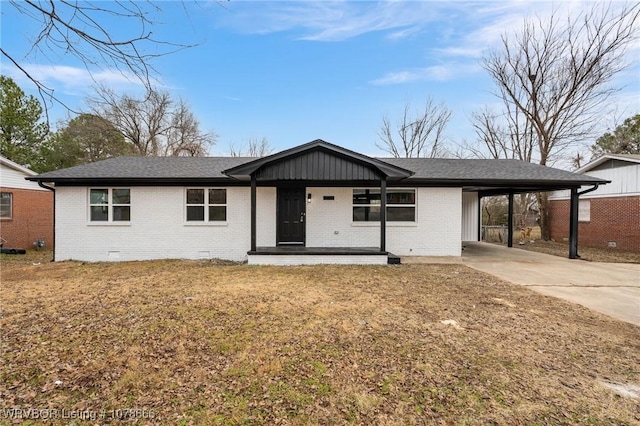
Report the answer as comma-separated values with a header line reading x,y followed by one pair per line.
x,y
383,214
253,213
510,221
573,224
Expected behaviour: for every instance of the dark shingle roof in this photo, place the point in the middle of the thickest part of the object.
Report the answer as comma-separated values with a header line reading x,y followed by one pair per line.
x,y
149,168
183,169
483,170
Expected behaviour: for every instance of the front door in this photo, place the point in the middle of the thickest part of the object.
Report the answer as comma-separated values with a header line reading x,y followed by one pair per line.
x,y
291,216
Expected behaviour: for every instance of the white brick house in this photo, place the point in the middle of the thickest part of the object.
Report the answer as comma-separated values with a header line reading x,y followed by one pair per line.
x,y
315,203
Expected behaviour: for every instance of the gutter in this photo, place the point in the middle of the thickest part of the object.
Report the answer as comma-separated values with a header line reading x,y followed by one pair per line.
x,y
586,191
52,189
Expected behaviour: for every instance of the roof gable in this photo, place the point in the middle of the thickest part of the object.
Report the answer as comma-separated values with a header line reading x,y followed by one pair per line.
x,y
15,166
318,160
627,158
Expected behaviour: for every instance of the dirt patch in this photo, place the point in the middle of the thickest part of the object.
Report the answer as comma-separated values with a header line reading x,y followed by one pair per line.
x,y
200,343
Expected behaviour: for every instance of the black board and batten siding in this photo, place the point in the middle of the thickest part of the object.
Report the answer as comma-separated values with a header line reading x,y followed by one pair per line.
x,y
317,165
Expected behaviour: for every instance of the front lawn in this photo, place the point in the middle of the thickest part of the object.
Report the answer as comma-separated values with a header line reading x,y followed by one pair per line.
x,y
200,343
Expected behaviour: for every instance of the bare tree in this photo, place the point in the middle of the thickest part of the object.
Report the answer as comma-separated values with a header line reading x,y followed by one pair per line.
x,y
255,148
82,30
155,124
418,135
184,137
508,135
557,73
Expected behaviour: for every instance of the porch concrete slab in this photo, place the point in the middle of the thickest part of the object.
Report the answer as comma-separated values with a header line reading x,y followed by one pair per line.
x,y
609,288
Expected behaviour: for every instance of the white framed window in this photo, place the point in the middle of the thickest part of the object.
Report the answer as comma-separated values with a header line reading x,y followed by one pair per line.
x,y
206,205
584,211
109,205
6,205
401,205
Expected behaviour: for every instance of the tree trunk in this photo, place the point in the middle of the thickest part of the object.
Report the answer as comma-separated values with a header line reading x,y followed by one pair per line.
x,y
545,225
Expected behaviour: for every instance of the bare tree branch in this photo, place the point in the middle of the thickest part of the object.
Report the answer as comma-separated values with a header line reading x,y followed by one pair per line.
x,y
420,135
155,124
255,148
557,75
82,30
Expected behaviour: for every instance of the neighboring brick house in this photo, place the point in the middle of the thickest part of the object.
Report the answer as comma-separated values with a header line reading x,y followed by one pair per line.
x,y
26,209
608,216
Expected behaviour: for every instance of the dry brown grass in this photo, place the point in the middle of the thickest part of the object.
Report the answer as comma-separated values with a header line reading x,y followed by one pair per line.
x,y
586,253
200,343
609,255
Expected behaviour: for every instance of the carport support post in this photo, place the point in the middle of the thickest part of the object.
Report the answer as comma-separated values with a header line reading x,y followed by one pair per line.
x,y
479,217
383,214
573,225
253,213
510,221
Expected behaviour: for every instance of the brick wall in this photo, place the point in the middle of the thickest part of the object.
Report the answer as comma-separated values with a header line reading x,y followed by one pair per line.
x,y
158,229
31,220
613,219
436,232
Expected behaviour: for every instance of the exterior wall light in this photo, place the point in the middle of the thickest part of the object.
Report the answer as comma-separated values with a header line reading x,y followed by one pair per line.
x,y
308,197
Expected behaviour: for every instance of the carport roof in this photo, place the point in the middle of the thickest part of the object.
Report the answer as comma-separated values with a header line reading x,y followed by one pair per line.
x,y
497,176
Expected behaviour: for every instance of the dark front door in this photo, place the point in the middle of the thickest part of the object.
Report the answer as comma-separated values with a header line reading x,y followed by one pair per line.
x,y
291,216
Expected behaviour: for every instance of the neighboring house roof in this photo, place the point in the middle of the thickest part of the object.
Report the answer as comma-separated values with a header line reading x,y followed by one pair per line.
x,y
12,164
472,174
630,158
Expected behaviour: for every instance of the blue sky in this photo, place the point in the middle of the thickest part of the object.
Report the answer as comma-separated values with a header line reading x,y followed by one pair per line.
x,y
297,71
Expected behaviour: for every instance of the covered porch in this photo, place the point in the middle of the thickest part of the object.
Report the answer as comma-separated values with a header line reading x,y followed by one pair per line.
x,y
296,174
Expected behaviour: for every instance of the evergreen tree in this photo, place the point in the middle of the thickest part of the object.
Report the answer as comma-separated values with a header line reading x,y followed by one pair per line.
x,y
23,133
85,139
625,139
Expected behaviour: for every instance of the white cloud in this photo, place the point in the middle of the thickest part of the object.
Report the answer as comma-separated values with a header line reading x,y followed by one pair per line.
x,y
332,20
73,80
441,72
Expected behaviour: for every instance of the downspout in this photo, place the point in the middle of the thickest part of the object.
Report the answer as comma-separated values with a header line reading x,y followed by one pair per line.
x,y
573,220
52,189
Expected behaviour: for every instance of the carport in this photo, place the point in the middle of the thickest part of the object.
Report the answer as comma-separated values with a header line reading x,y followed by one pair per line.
x,y
529,184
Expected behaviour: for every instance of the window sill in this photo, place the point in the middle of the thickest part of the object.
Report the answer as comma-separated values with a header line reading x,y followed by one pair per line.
x,y
389,224
205,223
109,224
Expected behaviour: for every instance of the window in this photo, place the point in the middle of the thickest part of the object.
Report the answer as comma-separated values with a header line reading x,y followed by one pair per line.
x,y
110,204
6,205
584,211
206,205
401,205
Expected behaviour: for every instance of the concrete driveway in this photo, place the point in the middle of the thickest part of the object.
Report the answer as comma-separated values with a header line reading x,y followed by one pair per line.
x,y
609,288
